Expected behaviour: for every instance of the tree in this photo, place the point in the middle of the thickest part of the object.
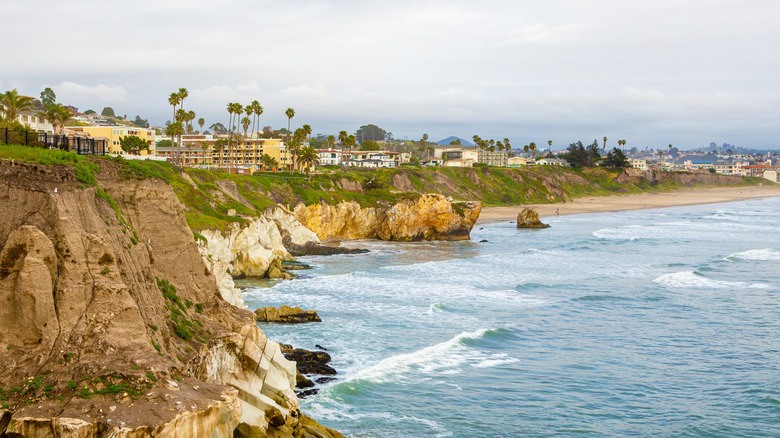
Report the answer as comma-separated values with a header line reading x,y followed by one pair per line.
x,y
89,111
245,123
48,97
331,141
455,143
603,149
268,162
201,122
308,158
532,147
617,159
13,104
370,132
218,128
526,148
133,144
549,143
290,113
621,143
57,115
108,112
661,156
369,145
219,147
423,144
164,144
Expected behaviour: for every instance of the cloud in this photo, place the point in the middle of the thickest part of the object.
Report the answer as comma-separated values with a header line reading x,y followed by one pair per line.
x,y
100,93
666,71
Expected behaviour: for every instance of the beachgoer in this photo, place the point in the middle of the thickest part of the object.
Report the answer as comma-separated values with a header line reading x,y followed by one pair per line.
x,y
557,213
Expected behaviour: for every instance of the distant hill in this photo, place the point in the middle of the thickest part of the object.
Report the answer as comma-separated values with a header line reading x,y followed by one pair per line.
x,y
447,141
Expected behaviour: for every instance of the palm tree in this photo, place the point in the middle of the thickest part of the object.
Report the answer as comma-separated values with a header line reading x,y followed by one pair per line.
x,y
343,139
245,122
331,141
290,113
190,117
256,110
532,147
219,147
204,146
526,148
308,158
661,156
183,94
13,104
231,108
267,161
423,144
58,115
201,122
605,146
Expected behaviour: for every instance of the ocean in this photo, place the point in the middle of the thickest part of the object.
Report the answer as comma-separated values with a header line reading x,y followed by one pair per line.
x,y
660,322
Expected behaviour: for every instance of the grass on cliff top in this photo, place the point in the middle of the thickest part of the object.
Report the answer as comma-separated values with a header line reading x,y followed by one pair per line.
x,y
84,169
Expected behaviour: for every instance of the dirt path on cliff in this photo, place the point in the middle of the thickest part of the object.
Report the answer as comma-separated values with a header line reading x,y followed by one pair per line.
x,y
599,204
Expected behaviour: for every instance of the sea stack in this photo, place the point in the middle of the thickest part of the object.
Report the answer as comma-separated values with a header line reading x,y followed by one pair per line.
x,y
529,218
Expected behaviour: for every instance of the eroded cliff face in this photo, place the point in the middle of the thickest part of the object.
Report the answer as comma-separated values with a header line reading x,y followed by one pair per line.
x,y
428,217
111,325
253,249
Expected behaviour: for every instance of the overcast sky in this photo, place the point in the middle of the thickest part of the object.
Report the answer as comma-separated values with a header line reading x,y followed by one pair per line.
x,y
684,72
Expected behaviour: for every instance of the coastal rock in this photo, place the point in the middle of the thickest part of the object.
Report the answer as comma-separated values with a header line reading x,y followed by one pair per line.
x,y
286,315
529,218
312,248
311,362
106,287
427,217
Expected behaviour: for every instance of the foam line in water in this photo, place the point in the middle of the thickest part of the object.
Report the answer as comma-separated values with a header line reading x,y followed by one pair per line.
x,y
443,357
767,254
694,280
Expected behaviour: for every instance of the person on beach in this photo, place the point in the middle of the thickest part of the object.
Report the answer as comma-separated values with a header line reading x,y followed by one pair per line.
x,y
556,212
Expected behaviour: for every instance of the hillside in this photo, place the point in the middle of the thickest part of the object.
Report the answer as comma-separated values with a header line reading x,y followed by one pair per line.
x,y
208,196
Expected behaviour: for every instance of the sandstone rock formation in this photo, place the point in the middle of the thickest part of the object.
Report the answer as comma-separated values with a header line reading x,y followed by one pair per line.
x,y
286,315
111,324
529,218
428,217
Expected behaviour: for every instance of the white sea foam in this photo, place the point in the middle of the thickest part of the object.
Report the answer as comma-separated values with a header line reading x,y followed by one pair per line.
x,y
767,254
446,357
495,360
694,280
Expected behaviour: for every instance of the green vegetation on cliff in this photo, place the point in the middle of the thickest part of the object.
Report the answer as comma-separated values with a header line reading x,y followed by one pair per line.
x,y
210,196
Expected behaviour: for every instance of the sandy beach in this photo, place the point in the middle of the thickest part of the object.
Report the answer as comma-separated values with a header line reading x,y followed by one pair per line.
x,y
597,204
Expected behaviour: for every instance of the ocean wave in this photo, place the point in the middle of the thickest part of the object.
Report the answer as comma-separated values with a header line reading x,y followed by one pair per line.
x,y
767,254
694,280
438,308
444,358
495,360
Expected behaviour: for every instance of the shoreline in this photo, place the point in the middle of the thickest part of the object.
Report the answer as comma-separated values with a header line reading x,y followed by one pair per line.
x,y
614,203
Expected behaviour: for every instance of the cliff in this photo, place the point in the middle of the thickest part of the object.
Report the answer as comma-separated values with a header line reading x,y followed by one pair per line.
x,y
111,324
426,217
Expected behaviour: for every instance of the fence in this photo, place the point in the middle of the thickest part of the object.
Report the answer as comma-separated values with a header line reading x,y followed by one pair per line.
x,y
77,144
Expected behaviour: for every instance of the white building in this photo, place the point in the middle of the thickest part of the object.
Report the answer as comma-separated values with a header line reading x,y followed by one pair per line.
x,y
638,163
519,161
329,157
459,162
553,162
36,121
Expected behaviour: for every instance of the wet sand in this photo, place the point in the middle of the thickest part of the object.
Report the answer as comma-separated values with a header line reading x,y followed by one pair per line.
x,y
598,204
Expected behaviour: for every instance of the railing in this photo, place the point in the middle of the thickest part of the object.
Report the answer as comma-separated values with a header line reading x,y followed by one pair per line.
x,y
77,144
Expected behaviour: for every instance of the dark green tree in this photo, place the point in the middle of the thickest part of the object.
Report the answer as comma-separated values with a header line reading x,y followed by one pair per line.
x,y
617,159
108,112
132,144
370,132
369,145
48,97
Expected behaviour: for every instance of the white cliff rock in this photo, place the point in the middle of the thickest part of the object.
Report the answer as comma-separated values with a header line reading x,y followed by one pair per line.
x,y
255,366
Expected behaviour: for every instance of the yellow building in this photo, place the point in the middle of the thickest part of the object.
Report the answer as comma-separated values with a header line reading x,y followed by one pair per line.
x,y
114,133
248,153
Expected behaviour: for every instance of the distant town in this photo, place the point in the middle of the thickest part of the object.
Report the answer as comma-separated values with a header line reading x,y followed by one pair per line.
x,y
244,147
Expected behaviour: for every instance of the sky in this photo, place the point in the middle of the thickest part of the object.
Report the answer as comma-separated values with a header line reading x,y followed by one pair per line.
x,y
683,72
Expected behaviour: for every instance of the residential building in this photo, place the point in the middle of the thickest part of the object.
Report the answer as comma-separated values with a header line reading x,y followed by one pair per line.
x,y
771,175
34,119
638,163
249,153
459,162
553,162
519,161
373,159
196,150
330,157
115,133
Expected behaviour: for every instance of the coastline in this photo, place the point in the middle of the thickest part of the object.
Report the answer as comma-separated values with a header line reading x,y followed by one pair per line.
x,y
601,204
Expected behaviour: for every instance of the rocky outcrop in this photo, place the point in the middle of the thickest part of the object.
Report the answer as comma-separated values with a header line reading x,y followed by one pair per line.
x,y
427,217
111,324
254,249
529,218
286,315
